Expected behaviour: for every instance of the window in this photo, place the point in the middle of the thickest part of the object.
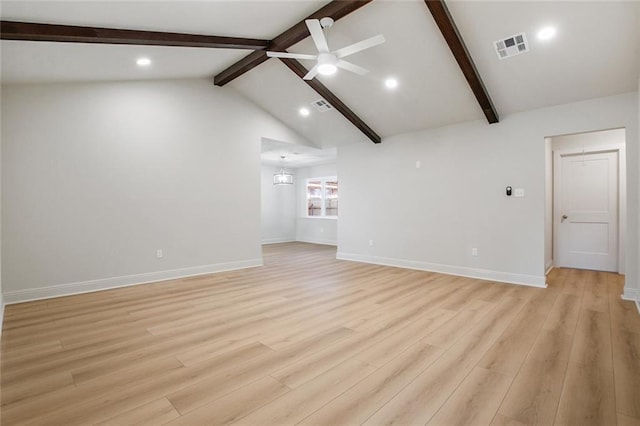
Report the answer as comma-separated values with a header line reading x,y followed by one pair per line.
x,y
322,197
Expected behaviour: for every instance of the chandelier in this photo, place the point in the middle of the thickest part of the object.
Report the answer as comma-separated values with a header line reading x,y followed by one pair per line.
x,y
282,177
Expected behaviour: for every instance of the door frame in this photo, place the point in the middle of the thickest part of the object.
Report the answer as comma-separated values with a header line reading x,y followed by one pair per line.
x,y
620,148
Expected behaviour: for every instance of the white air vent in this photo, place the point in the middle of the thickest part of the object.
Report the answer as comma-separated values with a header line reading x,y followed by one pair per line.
x,y
511,46
322,105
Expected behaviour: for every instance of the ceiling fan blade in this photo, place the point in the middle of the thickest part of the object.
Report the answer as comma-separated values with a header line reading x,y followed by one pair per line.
x,y
351,67
290,55
311,74
361,45
317,35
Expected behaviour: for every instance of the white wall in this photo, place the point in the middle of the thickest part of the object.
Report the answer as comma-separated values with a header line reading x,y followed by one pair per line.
x,y
1,297
586,140
279,208
96,177
597,140
431,217
630,188
314,229
548,206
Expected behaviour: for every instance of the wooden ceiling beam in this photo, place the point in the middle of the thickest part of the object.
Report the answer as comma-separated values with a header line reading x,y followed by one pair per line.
x,y
11,30
336,10
453,38
327,95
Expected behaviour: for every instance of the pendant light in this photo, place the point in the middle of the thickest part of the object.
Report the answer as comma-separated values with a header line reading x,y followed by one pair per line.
x,y
282,177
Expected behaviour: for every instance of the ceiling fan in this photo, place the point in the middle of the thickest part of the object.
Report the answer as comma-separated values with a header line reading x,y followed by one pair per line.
x,y
328,62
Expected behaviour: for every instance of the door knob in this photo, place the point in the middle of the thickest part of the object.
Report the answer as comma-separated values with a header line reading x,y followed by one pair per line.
x,y
564,216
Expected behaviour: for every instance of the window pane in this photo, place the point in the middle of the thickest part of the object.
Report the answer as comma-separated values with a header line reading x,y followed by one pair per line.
x,y
331,198
315,207
322,197
314,189
314,198
332,206
331,189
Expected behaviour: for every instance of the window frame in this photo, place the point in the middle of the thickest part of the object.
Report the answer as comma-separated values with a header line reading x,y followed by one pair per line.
x,y
323,183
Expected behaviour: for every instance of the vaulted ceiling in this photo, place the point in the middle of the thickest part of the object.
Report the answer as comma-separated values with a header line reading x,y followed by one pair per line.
x,y
595,53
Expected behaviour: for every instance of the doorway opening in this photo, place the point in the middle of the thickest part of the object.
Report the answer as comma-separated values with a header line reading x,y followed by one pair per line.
x,y
585,218
285,213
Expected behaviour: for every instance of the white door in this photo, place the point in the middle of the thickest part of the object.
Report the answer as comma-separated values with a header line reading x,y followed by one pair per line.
x,y
586,213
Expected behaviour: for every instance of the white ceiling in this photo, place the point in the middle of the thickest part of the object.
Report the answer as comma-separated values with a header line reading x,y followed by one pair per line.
x,y
28,62
596,53
42,62
233,18
295,155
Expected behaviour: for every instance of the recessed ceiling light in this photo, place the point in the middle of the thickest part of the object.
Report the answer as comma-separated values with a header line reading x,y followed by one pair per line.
x,y
546,33
391,83
304,112
143,62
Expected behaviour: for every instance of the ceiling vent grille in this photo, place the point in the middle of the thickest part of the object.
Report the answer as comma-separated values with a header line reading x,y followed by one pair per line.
x,y
322,105
511,46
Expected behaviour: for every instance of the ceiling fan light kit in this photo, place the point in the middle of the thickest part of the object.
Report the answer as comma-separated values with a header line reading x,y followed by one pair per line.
x,y
328,62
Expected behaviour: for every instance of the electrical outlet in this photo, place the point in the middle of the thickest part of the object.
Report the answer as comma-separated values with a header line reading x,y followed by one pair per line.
x,y
159,254
418,164
474,251
518,192
370,243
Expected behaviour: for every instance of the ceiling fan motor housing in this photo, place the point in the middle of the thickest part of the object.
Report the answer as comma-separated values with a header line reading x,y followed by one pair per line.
x,y
327,63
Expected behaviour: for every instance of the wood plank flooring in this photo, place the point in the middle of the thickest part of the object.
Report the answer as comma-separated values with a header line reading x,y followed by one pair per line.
x,y
311,340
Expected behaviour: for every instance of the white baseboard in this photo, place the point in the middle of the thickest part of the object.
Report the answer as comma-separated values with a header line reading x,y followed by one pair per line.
x,y
1,312
277,240
319,241
631,294
125,281
548,267
289,240
483,274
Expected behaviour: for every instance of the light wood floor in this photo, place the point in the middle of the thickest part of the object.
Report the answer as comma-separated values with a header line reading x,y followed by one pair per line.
x,y
308,339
